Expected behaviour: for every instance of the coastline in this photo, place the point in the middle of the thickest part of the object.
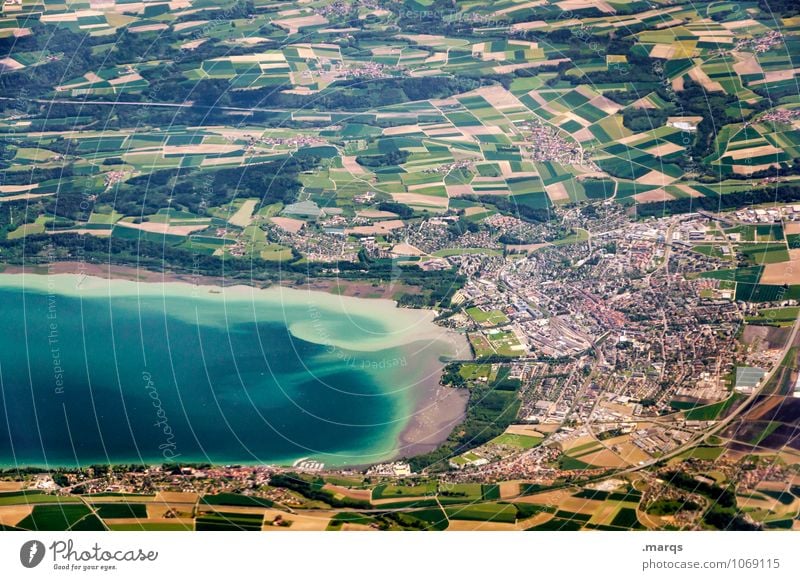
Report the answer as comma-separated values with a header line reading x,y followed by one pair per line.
x,y
438,411
335,286
434,409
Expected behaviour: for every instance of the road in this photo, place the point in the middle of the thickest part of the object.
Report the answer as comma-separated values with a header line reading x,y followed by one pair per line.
x,y
187,105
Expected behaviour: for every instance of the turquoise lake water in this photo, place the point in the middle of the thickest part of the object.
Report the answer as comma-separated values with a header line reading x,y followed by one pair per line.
x,y
93,371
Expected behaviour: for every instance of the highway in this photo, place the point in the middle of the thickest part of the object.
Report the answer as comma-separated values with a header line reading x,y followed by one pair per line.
x,y
187,105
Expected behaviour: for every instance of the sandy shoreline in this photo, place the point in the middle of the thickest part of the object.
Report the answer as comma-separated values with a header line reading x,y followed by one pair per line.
x,y
437,414
340,287
436,410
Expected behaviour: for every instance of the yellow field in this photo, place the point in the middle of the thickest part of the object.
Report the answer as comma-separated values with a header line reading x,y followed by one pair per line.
x,y
315,521
11,515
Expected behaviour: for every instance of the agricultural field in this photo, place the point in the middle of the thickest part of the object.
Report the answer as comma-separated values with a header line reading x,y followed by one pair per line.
x,y
777,316
486,512
539,139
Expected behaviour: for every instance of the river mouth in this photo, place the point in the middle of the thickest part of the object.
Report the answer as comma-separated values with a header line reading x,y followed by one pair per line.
x,y
98,371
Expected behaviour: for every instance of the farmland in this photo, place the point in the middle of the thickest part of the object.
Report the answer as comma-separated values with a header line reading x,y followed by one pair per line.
x,y
466,506
539,139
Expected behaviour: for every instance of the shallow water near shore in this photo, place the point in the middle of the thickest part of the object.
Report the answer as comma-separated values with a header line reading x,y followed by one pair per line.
x,y
114,371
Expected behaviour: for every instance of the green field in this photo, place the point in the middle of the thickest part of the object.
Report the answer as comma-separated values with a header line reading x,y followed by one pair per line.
x,y
121,510
401,491
764,253
490,491
704,453
745,275
57,517
709,250
711,412
349,518
766,292
472,372
228,522
626,518
145,526
484,512
235,499
33,497
490,318
557,525
570,463
467,491
520,441
778,316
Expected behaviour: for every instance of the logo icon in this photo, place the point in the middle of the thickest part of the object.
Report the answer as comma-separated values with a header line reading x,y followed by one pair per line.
x,y
31,553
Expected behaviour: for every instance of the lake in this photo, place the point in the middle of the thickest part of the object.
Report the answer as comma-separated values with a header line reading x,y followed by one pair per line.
x,y
115,371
